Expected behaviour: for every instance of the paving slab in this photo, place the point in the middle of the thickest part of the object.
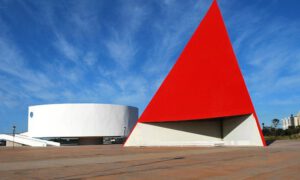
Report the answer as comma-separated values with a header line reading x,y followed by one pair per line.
x,y
280,160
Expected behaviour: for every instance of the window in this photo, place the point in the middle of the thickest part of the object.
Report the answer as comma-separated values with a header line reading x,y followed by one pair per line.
x,y
31,114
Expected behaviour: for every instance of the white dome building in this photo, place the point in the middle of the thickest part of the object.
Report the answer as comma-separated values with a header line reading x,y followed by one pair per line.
x,y
87,122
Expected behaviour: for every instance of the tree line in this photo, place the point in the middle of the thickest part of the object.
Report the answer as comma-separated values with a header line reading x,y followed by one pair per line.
x,y
274,131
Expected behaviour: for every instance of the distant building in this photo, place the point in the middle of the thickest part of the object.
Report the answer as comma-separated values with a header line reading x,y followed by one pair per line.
x,y
292,121
76,124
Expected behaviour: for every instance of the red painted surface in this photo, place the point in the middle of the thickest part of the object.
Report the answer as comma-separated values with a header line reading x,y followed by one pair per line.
x,y
206,81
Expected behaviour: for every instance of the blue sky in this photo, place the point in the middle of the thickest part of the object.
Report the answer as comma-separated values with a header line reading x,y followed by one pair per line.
x,y
120,51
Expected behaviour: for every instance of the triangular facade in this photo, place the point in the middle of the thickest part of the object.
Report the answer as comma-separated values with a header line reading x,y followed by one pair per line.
x,y
204,99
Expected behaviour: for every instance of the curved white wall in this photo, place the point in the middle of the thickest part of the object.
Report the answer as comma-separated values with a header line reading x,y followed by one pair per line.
x,y
80,120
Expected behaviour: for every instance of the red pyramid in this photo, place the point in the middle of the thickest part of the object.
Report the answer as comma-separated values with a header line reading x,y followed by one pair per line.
x,y
206,81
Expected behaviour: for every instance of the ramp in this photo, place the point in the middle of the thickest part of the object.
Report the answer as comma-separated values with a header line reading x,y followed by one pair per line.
x,y
29,141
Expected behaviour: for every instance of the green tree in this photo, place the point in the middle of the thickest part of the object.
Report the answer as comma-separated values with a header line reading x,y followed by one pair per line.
x,y
275,122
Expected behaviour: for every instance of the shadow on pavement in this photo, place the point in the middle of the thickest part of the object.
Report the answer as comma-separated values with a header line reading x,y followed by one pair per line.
x,y
269,142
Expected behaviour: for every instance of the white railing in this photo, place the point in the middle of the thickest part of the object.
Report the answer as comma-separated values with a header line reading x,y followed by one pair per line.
x,y
51,143
29,141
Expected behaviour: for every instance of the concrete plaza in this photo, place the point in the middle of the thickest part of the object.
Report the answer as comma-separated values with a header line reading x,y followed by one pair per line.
x,y
280,160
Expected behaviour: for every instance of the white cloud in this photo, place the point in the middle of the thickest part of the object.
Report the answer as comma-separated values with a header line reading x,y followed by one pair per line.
x,y
270,63
133,91
90,58
26,82
67,49
121,44
10,59
267,51
172,34
266,48
122,51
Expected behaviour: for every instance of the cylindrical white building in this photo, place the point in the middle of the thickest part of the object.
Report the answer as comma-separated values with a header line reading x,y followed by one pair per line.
x,y
80,120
